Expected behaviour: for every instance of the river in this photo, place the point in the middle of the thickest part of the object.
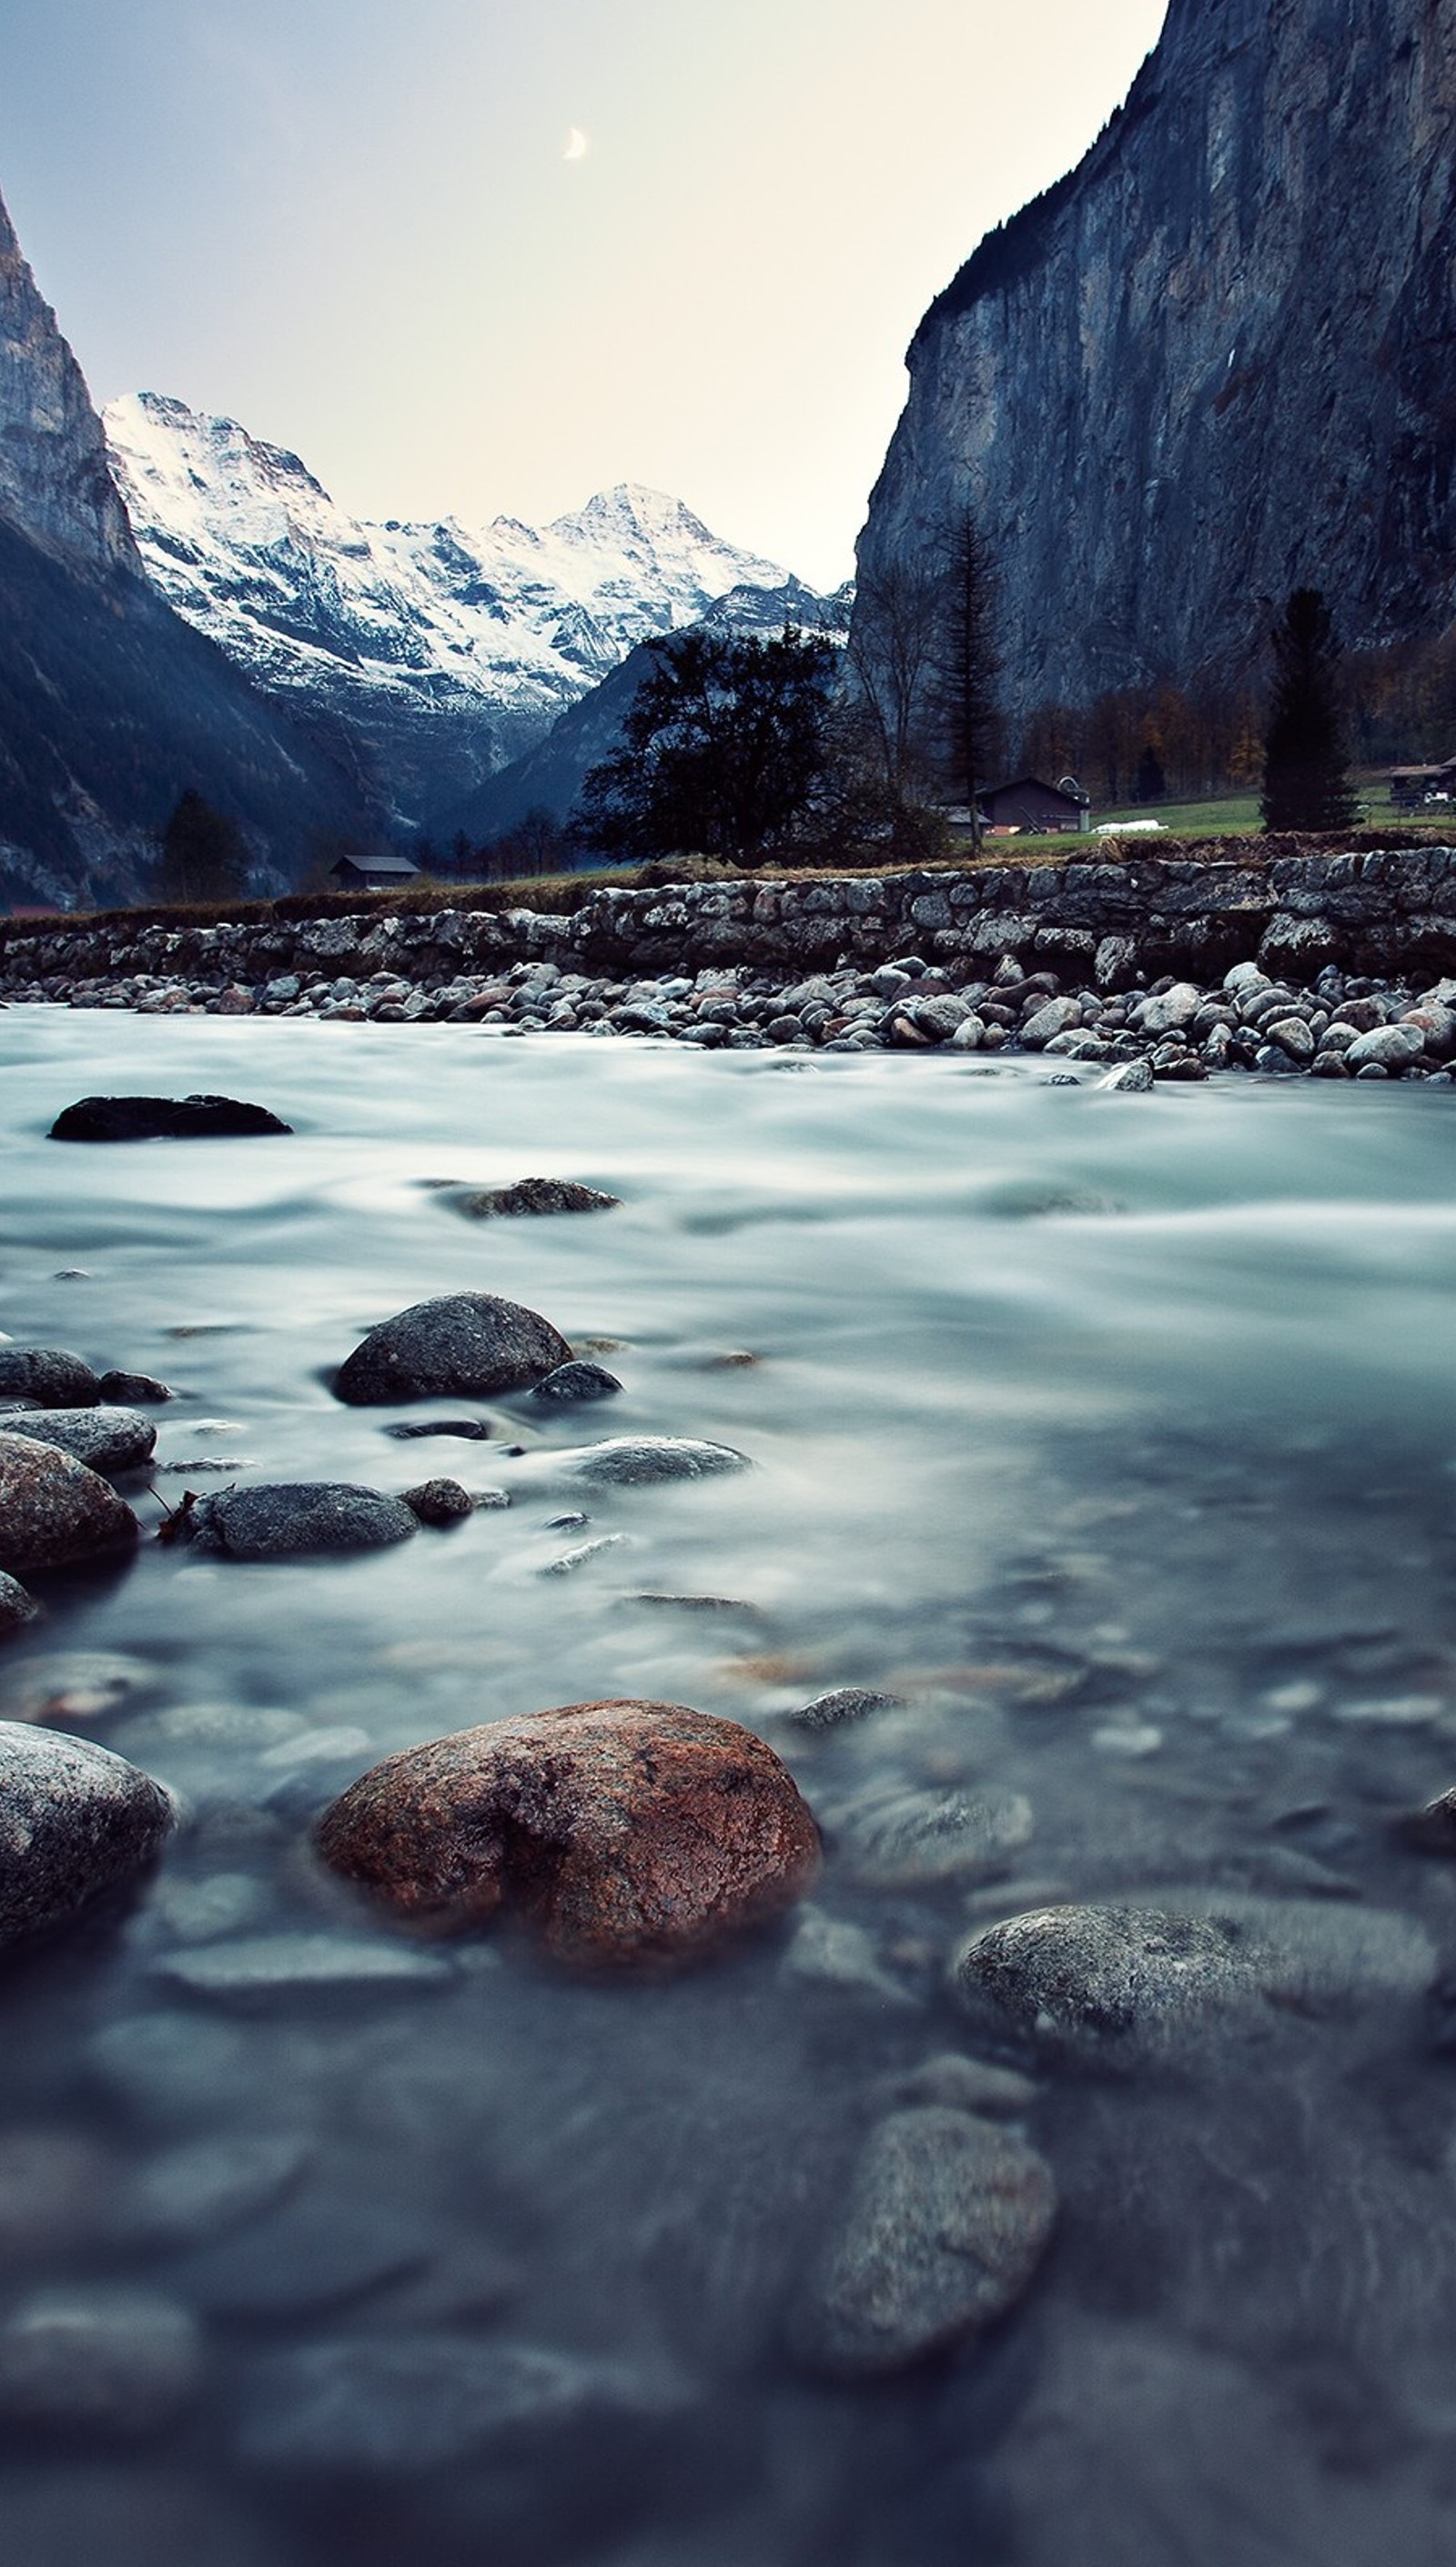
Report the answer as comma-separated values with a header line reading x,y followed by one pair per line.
x,y
1112,1433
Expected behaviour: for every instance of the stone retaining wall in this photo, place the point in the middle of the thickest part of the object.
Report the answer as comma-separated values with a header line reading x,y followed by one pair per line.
x,y
1390,915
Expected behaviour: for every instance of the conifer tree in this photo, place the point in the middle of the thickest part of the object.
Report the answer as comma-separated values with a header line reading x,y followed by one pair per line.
x,y
204,854
1305,778
968,664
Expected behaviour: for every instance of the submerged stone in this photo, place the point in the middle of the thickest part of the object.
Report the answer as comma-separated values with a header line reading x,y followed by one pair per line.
x,y
287,1522
635,1461
535,1196
946,2219
53,1510
629,1833
117,2363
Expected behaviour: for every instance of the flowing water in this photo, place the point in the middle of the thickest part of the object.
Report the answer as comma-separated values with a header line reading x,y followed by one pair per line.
x,y
1114,1435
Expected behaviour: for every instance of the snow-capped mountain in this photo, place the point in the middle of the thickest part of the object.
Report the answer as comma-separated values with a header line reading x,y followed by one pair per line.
x,y
445,650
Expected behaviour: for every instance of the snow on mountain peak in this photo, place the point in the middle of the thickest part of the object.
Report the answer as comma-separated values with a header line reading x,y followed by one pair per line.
x,y
471,640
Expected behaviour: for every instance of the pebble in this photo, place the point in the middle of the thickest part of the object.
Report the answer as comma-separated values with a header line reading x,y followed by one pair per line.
x,y
535,1196
573,1382
18,1608
469,1430
895,1837
73,1821
287,1522
103,1438
440,1502
837,1710
270,1965
189,2195
965,2085
202,1911
628,1462
946,2219
629,1833
839,1954
173,2069
465,1344
133,1390
407,2407
1395,1711
571,1561
1133,1078
54,1511
315,2251
121,2364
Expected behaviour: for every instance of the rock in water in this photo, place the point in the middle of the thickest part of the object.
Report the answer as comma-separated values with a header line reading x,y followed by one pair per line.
x,y
630,1462
627,1832
946,2219
466,1343
53,1510
535,1195
287,1522
73,1821
17,1607
131,1389
105,1439
578,1382
163,1118
46,1377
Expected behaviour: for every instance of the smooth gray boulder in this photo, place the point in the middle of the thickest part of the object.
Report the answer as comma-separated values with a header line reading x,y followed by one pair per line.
x,y
846,1704
577,1381
946,2219
53,1510
465,1344
289,1520
105,1439
47,1377
630,1462
74,1819
1124,1987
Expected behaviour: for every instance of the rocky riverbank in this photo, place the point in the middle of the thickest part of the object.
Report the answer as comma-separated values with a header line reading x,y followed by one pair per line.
x,y
1341,964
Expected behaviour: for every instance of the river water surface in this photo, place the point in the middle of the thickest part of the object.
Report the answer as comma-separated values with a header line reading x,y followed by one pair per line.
x,y
1114,1435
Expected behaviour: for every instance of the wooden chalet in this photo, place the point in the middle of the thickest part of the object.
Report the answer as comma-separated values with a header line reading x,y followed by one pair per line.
x,y
373,873
1035,809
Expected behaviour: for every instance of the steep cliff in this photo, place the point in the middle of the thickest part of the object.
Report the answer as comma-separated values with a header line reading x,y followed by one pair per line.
x,y
110,705
1215,361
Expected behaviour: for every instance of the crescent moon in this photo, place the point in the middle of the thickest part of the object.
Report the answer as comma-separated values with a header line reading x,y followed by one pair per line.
x,y
576,145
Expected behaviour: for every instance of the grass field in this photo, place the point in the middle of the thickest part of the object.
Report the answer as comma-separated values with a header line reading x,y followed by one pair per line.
x,y
1226,815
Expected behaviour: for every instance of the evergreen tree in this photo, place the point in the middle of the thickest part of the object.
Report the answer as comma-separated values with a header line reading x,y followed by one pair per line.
x,y
1149,784
722,749
1305,781
968,664
204,855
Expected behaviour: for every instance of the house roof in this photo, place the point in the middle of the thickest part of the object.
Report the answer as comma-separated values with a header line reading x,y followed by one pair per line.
x,y
1036,784
377,868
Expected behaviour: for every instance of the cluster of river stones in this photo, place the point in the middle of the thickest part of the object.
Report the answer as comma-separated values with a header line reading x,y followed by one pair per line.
x,y
623,1836
1343,1026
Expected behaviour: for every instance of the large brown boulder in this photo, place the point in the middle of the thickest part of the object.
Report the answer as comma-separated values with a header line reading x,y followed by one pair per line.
x,y
627,1833
53,1510
465,1342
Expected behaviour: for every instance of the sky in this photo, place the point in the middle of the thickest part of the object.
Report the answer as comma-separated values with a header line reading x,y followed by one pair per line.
x,y
354,226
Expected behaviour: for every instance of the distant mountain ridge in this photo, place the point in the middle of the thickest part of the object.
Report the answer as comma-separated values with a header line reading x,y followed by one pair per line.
x,y
111,704
445,651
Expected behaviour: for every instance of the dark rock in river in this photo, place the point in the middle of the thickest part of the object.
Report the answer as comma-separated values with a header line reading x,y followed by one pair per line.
x,y
629,1462
105,1439
627,1832
440,1502
134,1389
117,2363
947,2221
74,1819
578,1382
311,1515
1433,1828
535,1195
17,1607
163,1118
469,1430
47,1378
466,1343
53,1510
850,1703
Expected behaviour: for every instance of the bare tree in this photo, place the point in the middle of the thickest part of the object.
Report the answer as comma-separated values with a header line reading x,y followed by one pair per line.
x,y
894,641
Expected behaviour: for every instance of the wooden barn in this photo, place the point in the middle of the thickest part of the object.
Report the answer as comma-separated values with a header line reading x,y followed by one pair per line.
x,y
373,873
1035,808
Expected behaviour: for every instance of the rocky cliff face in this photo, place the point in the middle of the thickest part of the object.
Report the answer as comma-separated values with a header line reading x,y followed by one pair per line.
x,y
110,705
1217,360
56,483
